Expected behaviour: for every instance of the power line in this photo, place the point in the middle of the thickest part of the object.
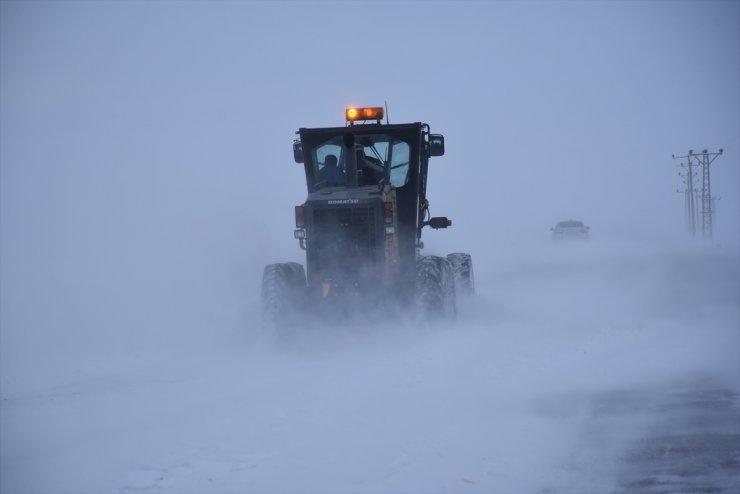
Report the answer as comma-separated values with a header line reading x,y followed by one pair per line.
x,y
705,158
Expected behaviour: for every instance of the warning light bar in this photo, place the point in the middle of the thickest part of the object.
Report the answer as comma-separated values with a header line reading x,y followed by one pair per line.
x,y
355,114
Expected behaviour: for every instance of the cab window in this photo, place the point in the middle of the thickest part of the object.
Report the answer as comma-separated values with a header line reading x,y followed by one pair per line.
x,y
380,150
399,165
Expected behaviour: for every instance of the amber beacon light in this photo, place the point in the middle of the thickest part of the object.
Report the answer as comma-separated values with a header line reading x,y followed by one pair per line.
x,y
355,114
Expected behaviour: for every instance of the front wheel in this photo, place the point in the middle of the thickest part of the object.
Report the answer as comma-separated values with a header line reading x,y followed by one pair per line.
x,y
462,267
434,287
283,292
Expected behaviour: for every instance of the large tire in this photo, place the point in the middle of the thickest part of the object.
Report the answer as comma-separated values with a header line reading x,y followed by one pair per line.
x,y
283,292
434,288
462,267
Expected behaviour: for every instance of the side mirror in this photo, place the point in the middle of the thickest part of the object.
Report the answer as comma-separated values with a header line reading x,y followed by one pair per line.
x,y
439,222
436,144
298,151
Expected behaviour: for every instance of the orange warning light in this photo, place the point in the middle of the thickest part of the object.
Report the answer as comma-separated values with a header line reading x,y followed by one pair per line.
x,y
354,114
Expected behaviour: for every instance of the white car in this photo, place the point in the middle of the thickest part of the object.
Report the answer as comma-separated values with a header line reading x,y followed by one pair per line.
x,y
570,230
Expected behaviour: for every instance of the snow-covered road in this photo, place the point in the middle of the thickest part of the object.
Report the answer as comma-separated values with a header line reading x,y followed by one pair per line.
x,y
575,369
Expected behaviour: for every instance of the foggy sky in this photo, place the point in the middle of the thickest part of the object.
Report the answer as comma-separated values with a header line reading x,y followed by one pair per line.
x,y
145,147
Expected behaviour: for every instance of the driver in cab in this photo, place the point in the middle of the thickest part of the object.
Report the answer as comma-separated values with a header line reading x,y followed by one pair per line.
x,y
330,174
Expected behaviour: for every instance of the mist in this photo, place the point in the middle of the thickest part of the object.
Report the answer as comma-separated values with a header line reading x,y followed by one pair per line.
x,y
147,177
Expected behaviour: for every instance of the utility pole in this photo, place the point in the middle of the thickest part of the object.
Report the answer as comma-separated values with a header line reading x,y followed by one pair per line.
x,y
691,198
706,193
705,158
690,202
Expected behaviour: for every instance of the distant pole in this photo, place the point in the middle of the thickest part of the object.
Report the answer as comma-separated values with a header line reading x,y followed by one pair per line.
x,y
689,191
706,193
688,203
692,204
695,206
705,159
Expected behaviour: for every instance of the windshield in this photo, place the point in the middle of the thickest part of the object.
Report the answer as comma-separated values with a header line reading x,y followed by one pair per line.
x,y
385,158
570,224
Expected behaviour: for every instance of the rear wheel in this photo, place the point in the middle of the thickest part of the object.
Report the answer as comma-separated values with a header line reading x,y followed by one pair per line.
x,y
462,267
283,292
434,287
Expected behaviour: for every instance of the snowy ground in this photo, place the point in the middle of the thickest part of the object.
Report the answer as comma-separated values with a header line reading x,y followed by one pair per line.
x,y
575,369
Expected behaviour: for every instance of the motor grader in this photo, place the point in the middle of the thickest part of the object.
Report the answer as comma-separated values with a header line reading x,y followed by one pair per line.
x,y
361,225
